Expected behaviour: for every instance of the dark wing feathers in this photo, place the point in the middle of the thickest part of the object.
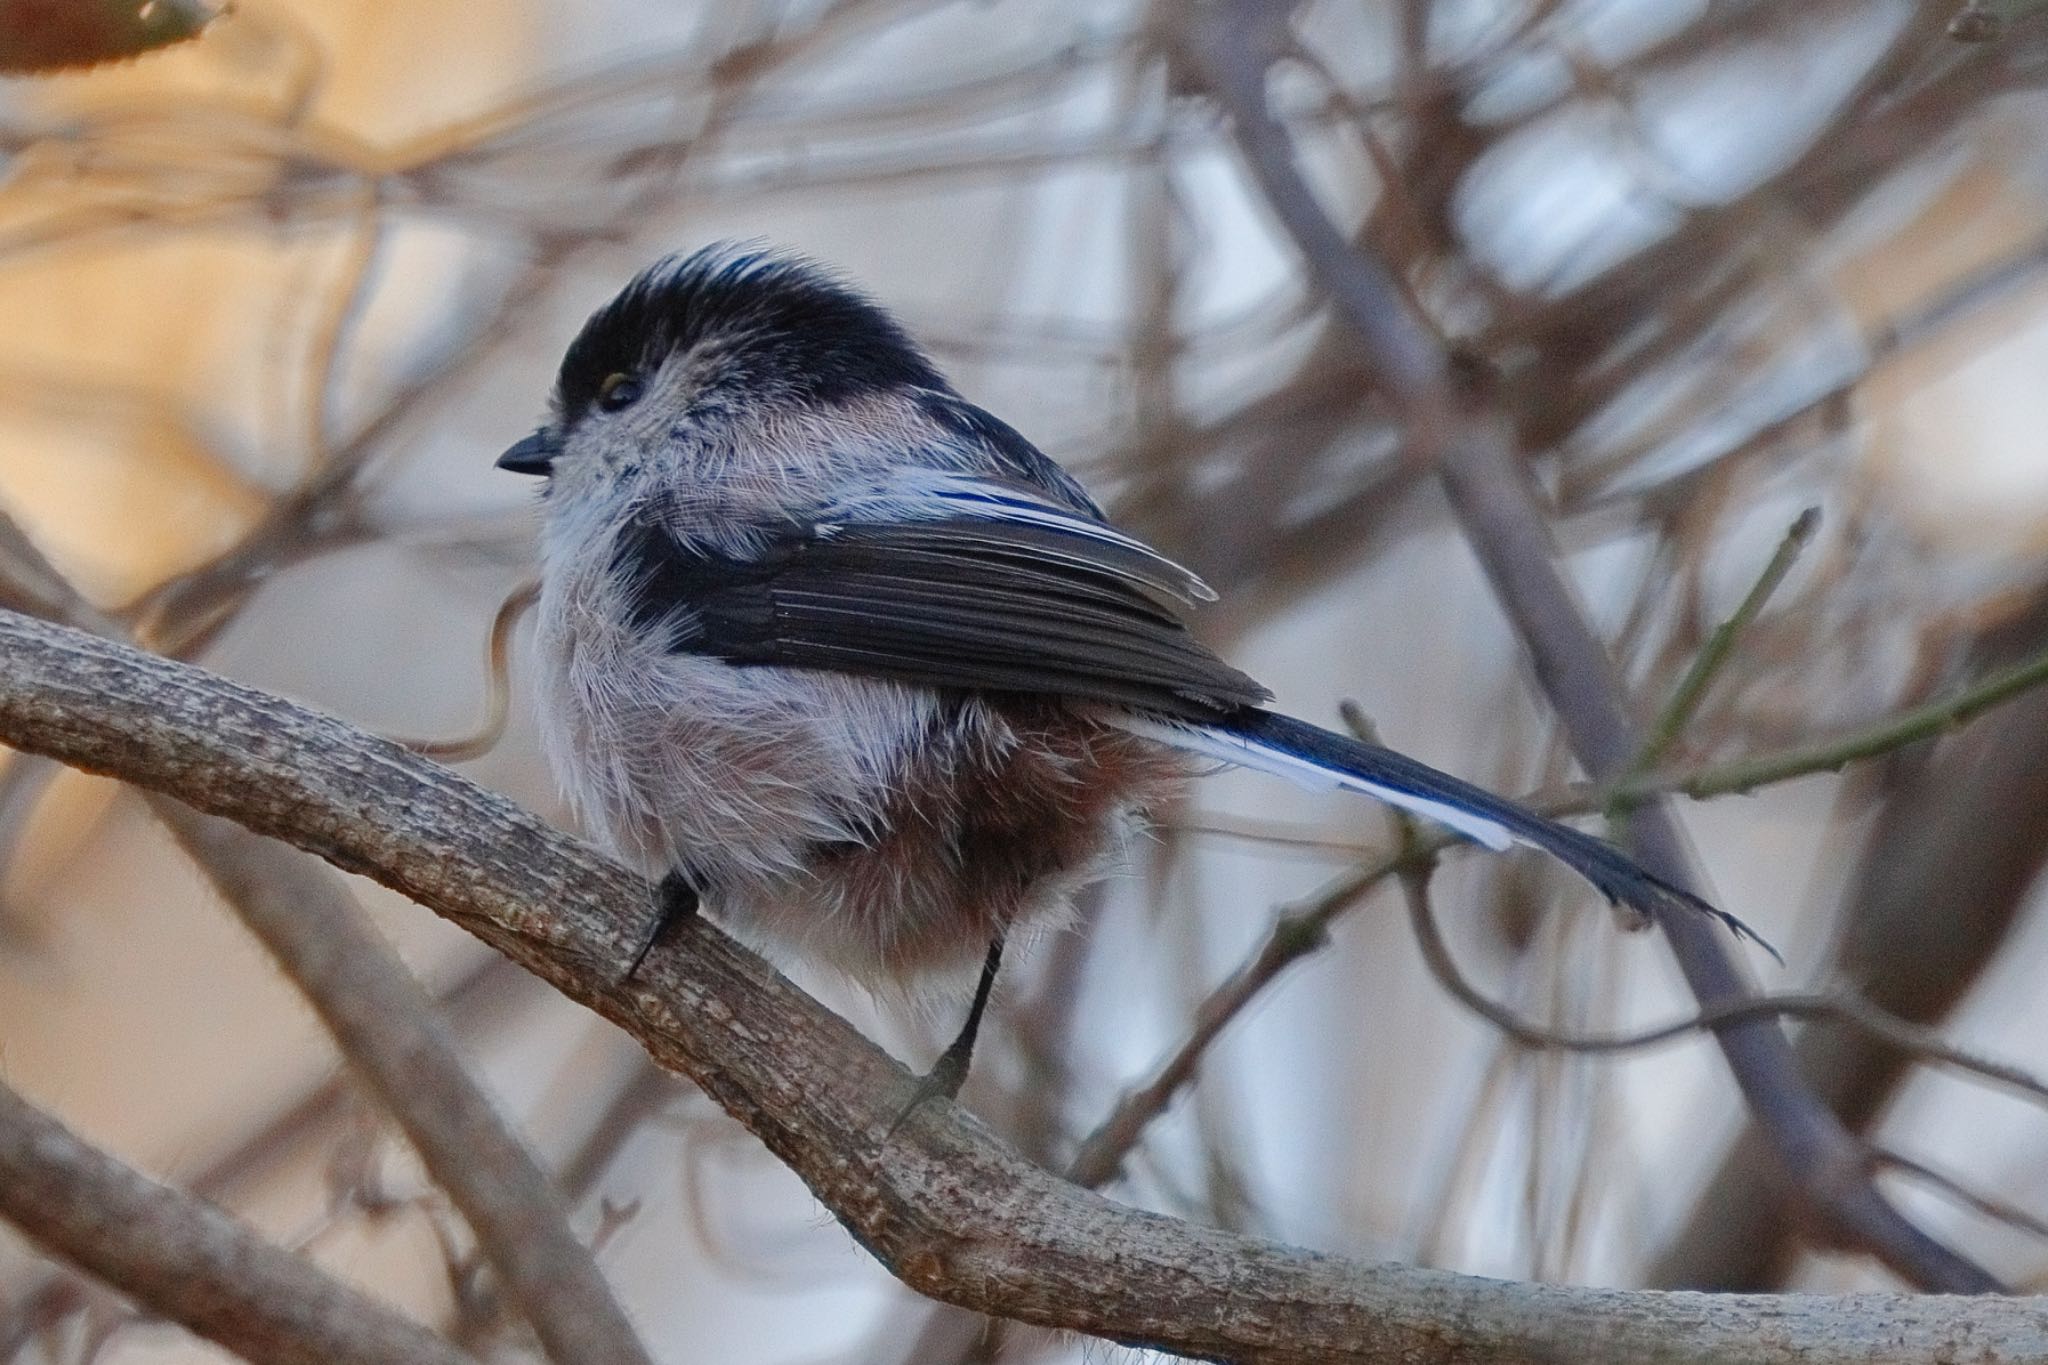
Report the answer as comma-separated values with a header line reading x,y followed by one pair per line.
x,y
1025,547
965,603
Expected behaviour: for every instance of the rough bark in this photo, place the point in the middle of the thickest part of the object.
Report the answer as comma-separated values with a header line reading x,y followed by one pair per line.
x,y
941,1202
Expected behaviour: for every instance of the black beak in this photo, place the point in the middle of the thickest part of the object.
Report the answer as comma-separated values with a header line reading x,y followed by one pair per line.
x,y
534,455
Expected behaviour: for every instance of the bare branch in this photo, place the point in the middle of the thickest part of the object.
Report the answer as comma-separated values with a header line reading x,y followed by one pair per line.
x,y
388,1030
189,1261
948,1208
1491,496
1910,1039
1720,648
1941,886
1879,737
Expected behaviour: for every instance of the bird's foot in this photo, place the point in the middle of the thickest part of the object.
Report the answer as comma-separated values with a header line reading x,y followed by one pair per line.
x,y
677,904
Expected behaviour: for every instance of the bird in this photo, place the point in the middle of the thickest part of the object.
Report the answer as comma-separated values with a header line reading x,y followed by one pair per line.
x,y
843,658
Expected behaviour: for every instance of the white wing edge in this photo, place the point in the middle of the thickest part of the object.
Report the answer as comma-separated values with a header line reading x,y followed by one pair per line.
x,y
1241,752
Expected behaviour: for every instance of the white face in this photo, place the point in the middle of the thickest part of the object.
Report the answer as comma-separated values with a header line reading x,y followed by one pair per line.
x,y
620,433
730,386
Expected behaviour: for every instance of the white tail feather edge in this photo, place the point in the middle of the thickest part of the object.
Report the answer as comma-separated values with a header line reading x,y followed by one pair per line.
x,y
1247,753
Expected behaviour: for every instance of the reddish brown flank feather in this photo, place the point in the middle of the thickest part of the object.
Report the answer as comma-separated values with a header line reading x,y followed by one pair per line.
x,y
996,837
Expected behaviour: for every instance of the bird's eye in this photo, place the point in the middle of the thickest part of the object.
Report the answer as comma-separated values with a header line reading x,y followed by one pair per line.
x,y
618,391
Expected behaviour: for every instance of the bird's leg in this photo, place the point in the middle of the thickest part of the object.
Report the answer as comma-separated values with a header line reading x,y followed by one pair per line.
x,y
950,1071
677,902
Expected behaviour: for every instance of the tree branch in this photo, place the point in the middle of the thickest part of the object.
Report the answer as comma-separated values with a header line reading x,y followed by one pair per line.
x,y
188,1261
390,1033
1901,1036
1940,887
944,1205
1926,721
1715,654
1474,450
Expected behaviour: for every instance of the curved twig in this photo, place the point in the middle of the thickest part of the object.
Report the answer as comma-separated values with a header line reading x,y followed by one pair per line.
x,y
1924,1043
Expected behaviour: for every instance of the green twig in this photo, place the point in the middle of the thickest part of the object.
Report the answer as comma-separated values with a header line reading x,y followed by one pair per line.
x,y
1715,654
1881,737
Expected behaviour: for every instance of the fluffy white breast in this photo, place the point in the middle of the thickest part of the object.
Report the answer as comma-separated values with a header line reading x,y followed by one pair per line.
x,y
679,760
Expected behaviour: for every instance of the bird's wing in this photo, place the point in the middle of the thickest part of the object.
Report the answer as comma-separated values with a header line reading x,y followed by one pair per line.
x,y
956,582
989,585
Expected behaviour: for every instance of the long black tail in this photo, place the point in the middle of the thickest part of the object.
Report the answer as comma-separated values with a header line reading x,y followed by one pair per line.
x,y
1293,748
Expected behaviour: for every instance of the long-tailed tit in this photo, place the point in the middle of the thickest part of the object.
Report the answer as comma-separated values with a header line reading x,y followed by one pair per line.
x,y
837,652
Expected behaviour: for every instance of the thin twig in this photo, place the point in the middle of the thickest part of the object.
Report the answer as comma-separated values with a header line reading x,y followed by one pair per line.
x,y
340,318
1924,1043
1719,649
1295,933
497,685
1829,755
